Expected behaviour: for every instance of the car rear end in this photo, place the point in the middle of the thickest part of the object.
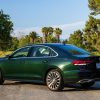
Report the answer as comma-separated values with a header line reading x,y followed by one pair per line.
x,y
89,68
82,68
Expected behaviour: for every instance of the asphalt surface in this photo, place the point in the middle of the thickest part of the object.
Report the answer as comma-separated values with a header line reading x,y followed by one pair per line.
x,y
30,91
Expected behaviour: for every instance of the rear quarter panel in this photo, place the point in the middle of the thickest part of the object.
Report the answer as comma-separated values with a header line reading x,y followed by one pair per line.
x,y
67,69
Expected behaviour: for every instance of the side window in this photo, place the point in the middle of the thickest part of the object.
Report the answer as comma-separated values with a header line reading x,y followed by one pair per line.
x,y
42,51
21,53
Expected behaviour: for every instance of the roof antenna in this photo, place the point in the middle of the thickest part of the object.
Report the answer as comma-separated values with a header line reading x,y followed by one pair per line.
x,y
63,43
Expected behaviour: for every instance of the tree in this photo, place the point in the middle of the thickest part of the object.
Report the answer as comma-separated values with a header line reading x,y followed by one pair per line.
x,y
92,33
58,32
94,5
14,43
76,38
24,41
6,27
45,31
51,39
50,30
38,39
33,35
98,45
65,41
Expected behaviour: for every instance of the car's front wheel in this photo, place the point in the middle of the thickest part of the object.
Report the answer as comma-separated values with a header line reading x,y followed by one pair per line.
x,y
86,85
1,78
54,80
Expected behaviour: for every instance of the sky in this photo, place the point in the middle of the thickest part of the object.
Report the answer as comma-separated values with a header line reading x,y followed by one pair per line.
x,y
32,15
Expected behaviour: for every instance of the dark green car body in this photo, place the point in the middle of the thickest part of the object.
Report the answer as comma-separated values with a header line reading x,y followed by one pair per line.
x,y
31,66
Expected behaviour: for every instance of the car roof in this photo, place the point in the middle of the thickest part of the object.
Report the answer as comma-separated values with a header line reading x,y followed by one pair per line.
x,y
49,44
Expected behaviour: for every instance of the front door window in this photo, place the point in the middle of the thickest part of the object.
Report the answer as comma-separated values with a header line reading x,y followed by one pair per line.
x,y
21,53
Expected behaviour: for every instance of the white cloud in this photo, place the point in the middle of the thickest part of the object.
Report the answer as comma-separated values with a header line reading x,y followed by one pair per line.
x,y
64,26
67,29
70,28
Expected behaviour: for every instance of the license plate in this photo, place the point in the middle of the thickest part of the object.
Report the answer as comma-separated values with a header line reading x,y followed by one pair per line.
x,y
98,65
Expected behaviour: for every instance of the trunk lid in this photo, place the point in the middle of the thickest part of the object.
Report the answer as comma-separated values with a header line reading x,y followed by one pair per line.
x,y
94,66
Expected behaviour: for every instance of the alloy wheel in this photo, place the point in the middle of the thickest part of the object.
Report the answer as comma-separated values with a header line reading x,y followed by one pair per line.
x,y
54,80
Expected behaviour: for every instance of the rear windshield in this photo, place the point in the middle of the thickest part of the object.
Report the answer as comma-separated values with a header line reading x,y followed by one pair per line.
x,y
71,49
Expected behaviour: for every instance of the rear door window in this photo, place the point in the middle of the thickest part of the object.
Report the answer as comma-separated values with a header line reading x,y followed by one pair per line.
x,y
42,51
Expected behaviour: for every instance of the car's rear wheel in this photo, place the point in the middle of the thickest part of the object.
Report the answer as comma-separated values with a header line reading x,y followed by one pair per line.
x,y
1,78
54,80
86,85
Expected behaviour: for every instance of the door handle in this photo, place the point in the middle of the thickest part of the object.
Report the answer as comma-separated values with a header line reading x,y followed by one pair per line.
x,y
45,61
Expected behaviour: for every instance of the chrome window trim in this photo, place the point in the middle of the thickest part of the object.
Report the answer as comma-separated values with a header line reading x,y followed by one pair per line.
x,y
34,57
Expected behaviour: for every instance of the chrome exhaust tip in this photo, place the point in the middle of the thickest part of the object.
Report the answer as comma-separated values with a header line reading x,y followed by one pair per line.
x,y
85,81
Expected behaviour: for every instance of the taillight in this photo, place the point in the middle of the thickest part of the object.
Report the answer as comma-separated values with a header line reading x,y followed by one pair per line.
x,y
81,62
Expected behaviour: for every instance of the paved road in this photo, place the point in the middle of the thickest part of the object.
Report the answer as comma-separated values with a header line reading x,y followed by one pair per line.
x,y
29,91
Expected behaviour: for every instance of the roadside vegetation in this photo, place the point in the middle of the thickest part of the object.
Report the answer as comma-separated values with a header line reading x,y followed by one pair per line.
x,y
88,38
3,53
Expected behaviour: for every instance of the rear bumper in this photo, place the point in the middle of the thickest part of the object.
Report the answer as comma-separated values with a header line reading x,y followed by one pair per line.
x,y
88,80
77,76
89,77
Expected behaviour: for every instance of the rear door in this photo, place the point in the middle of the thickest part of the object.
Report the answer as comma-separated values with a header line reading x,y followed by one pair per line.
x,y
37,64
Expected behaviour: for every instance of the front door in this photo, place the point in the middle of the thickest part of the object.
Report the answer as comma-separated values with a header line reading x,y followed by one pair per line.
x,y
14,67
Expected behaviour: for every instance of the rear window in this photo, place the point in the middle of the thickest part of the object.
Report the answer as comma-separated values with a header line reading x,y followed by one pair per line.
x,y
73,50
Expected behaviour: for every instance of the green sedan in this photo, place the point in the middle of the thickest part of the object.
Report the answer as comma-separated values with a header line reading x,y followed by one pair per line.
x,y
54,64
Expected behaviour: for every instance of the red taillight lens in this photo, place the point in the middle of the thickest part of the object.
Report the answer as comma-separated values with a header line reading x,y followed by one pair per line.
x,y
81,62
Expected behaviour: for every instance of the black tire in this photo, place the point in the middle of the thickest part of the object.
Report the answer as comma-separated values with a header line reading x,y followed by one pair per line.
x,y
1,78
54,80
86,85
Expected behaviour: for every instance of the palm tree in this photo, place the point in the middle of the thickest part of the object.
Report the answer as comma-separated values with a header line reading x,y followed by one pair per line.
x,y
38,39
33,35
45,31
50,30
58,32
